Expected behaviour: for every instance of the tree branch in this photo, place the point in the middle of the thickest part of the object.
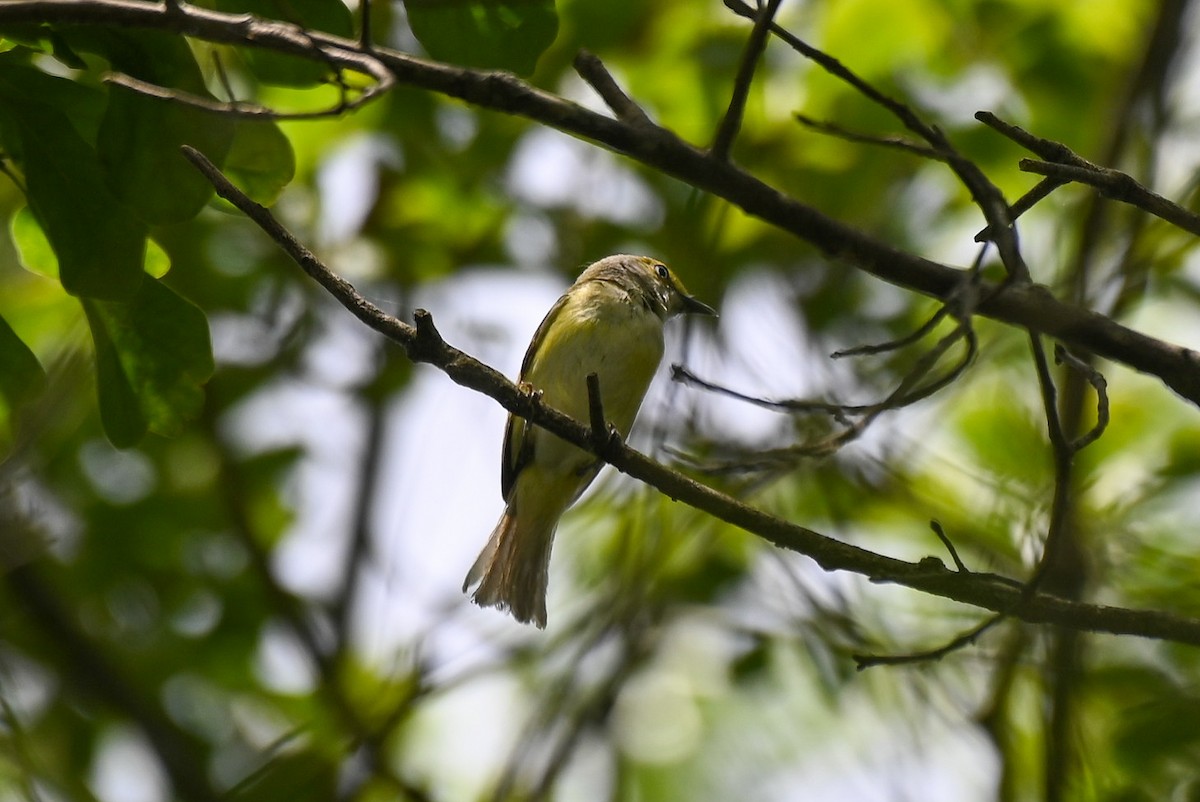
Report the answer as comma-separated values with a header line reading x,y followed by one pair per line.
x,y
1118,186
731,123
423,343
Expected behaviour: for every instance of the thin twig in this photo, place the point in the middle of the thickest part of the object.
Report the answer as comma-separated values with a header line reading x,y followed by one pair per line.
x,y
941,535
219,67
603,435
1099,384
1048,149
1120,187
865,661
681,374
909,391
873,349
1063,458
1041,190
731,123
242,109
896,142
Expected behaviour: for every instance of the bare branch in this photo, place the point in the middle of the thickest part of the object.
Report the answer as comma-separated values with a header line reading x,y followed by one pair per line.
x,y
872,349
941,535
911,389
1099,384
1120,187
731,123
968,638
1048,149
898,143
1024,203
240,108
1061,165
1063,457
592,70
682,374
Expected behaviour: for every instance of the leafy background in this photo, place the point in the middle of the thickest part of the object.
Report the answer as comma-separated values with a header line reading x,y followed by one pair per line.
x,y
235,522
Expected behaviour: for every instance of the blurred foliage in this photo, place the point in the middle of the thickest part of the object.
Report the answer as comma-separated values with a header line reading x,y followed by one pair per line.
x,y
156,639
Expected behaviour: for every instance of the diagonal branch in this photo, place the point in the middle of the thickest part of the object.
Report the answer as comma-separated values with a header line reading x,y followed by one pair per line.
x,y
1118,186
727,131
423,343
1059,164
244,109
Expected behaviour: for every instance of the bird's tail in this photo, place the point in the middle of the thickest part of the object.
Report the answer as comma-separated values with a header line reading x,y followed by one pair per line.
x,y
513,568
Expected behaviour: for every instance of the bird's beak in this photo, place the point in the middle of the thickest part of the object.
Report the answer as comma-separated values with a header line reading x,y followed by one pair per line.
x,y
693,307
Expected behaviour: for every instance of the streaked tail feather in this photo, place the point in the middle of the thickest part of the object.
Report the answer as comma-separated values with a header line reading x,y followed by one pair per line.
x,y
513,570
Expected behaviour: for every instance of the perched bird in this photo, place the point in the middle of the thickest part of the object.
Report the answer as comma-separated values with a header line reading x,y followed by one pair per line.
x,y
610,322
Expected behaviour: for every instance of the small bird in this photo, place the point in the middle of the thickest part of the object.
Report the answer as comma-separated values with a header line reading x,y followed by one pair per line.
x,y
609,322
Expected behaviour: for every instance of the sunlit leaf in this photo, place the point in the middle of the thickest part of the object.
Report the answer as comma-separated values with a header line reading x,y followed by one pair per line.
x,y
33,249
158,262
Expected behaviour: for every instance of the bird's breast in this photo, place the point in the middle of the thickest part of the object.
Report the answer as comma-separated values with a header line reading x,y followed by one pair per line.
x,y
619,341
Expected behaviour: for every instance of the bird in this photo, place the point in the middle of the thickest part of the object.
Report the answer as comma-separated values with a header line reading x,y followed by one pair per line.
x,y
609,322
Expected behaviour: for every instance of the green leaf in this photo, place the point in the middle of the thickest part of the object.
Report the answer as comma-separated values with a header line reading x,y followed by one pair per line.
x,y
158,262
261,161
330,16
493,34
120,411
100,246
161,58
139,146
21,375
139,137
83,105
36,255
153,353
33,249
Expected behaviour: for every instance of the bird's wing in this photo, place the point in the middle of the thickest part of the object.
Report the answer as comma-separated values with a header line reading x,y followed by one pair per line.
x,y
518,446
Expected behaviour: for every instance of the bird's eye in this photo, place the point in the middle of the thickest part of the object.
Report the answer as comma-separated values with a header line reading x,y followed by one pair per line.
x,y
662,272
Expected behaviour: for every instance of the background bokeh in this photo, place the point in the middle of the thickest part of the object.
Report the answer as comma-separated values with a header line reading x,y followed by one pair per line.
x,y
270,600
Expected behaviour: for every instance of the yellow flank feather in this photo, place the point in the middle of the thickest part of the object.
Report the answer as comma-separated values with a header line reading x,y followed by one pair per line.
x,y
610,322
